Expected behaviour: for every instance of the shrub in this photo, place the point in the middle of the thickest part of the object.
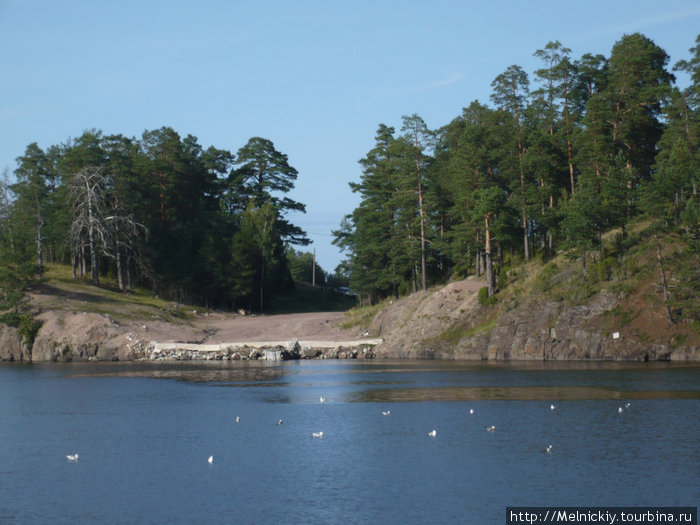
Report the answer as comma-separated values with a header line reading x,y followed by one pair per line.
x,y
484,298
545,280
604,269
28,328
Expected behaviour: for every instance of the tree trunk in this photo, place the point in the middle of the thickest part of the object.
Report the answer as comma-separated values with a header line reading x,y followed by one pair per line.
x,y
39,243
490,281
526,244
667,295
128,273
424,279
120,274
478,257
570,155
83,263
93,258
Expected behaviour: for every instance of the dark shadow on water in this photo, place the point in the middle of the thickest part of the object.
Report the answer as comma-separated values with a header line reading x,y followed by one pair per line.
x,y
536,393
221,373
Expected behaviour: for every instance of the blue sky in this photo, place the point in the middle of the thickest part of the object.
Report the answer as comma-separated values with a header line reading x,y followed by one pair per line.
x,y
315,77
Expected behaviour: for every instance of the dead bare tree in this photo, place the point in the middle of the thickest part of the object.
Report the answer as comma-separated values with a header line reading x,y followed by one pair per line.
x,y
87,191
124,233
110,230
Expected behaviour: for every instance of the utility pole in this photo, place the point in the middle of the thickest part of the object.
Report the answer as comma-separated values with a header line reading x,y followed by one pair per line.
x,y
313,271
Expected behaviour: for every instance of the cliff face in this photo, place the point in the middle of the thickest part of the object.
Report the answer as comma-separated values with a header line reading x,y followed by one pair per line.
x,y
12,348
449,323
79,336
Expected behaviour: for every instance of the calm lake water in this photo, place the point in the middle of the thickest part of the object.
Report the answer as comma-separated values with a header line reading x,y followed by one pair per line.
x,y
144,432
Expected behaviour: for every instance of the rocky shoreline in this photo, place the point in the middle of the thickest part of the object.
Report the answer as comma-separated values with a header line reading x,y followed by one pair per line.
x,y
441,323
101,339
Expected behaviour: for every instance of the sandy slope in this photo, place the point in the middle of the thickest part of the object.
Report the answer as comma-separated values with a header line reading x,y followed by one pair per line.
x,y
318,325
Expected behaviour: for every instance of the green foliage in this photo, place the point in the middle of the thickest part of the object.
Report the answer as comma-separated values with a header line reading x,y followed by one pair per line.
x,y
594,144
623,317
598,142
304,268
173,216
361,315
546,278
306,298
28,328
484,299
603,270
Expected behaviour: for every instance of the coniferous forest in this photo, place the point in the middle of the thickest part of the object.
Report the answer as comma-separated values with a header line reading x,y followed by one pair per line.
x,y
559,156
194,225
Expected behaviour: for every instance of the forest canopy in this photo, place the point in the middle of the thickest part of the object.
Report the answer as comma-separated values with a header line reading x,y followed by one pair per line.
x,y
563,154
192,224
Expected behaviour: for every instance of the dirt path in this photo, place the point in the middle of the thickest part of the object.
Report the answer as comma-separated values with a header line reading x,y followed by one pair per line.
x,y
318,325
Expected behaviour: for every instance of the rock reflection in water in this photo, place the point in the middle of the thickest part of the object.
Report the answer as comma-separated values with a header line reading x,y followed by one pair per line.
x,y
243,373
511,394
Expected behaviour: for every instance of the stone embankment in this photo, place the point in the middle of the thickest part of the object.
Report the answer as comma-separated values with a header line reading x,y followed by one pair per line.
x,y
266,350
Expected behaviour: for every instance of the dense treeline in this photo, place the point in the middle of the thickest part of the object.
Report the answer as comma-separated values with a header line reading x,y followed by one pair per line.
x,y
193,224
589,145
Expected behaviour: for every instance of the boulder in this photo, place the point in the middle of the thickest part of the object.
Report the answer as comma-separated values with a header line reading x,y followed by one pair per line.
x,y
66,336
12,348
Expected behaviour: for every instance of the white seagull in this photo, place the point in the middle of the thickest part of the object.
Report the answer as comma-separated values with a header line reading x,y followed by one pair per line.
x,y
491,428
322,399
386,412
619,410
317,434
73,457
471,410
549,449
238,419
552,407
279,422
211,459
432,433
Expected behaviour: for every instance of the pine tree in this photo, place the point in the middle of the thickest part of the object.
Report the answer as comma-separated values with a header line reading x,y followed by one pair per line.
x,y
262,174
510,91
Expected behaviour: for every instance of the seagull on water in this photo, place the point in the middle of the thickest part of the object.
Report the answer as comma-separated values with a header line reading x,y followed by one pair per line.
x,y
322,399
279,422
552,406
211,459
432,433
491,428
238,419
317,434
73,457
471,410
549,449
619,410
627,405
386,412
